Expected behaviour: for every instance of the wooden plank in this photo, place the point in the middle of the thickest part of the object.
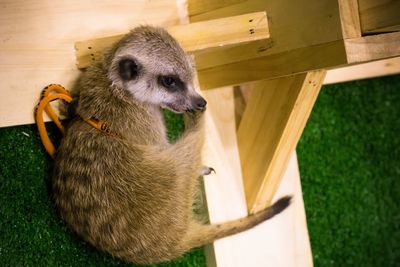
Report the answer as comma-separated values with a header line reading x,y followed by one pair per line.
x,y
197,7
329,55
270,128
224,190
269,67
379,16
233,54
373,69
390,66
195,37
293,35
289,226
373,47
290,28
282,241
350,18
38,37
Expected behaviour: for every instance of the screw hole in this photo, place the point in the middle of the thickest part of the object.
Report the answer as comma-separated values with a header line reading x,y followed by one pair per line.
x,y
89,47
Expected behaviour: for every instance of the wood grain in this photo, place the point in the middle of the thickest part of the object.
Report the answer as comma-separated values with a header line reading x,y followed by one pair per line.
x,y
373,47
379,16
305,35
233,54
37,43
290,28
384,67
198,7
194,37
282,241
269,130
224,190
329,56
269,67
350,18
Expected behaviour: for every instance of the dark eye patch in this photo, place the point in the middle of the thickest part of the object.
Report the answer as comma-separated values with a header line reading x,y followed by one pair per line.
x,y
171,82
128,69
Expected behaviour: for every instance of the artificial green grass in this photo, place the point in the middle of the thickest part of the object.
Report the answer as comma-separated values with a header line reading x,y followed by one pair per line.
x,y
349,158
349,162
31,234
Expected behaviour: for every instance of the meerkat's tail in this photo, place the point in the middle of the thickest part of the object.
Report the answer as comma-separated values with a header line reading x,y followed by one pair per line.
x,y
201,235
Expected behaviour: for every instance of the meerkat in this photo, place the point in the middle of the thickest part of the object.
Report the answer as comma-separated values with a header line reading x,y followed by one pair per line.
x,y
130,192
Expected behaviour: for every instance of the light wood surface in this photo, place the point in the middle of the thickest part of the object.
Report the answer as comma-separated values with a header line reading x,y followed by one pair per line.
x,y
198,7
379,16
290,29
286,51
350,18
233,54
194,37
269,67
373,47
270,129
38,37
316,37
330,55
384,67
282,241
224,190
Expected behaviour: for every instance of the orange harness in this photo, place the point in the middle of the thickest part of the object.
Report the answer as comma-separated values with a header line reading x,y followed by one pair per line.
x,y
58,93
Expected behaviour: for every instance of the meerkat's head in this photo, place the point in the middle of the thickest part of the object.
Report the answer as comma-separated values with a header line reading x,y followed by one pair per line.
x,y
150,64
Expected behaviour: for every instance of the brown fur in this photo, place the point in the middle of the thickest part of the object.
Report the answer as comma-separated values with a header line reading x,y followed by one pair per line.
x,y
131,194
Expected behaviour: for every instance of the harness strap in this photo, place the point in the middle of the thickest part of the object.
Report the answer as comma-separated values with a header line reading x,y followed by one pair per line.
x,y
57,92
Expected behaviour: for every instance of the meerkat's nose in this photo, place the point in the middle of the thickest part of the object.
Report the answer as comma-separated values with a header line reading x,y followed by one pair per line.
x,y
200,103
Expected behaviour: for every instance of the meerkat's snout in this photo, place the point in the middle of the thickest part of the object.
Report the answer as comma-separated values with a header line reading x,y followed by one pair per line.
x,y
199,103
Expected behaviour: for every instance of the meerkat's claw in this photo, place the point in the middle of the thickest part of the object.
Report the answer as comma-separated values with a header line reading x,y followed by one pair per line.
x,y
206,171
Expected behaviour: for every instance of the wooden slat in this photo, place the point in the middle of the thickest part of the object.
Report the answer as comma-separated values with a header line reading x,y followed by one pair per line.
x,y
384,67
378,16
194,37
269,67
224,190
373,69
290,226
290,28
233,54
270,128
350,18
197,7
316,36
282,241
373,47
226,200
330,55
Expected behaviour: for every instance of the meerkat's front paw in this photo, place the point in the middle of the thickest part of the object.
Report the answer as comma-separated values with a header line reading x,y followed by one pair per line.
x,y
206,171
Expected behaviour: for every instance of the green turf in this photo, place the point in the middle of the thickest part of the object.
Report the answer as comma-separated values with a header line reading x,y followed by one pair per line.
x,y
349,157
349,161
31,234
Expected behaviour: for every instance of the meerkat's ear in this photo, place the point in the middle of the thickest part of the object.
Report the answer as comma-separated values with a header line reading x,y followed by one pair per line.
x,y
128,69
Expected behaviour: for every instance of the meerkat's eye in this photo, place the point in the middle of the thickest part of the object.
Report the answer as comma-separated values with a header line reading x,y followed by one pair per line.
x,y
171,83
128,69
168,81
